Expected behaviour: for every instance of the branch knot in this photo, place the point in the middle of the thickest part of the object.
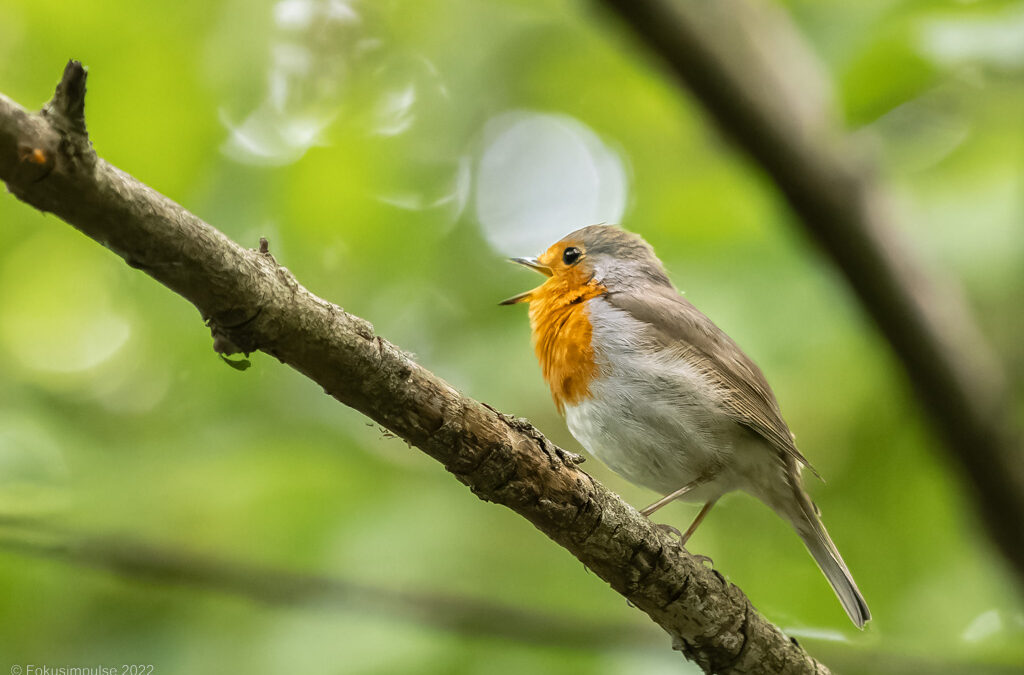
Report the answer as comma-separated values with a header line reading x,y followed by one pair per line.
x,y
66,113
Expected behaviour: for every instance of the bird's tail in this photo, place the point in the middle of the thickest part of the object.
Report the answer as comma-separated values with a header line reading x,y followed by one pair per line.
x,y
805,519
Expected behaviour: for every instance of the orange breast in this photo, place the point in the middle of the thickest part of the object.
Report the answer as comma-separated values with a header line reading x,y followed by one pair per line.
x,y
562,338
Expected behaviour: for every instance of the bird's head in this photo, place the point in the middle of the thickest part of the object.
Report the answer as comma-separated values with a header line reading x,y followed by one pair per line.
x,y
603,255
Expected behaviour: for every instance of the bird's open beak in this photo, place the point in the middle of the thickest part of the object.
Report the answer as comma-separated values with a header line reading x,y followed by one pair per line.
x,y
533,264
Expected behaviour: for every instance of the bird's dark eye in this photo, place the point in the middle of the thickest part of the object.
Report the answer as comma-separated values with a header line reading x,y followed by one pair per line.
x,y
571,255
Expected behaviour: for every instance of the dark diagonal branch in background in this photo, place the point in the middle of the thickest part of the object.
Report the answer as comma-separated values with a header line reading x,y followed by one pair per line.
x,y
153,563
166,564
251,303
841,208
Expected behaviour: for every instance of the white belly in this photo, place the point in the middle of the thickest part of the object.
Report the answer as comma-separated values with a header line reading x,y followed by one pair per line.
x,y
652,419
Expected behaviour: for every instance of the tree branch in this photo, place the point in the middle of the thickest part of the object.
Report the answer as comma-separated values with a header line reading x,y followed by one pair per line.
x,y
251,303
840,207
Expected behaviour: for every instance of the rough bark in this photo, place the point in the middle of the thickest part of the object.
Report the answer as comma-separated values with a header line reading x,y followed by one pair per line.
x,y
251,303
953,371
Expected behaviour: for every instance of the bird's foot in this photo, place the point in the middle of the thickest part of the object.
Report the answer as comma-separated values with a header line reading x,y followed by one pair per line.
x,y
680,540
670,531
701,559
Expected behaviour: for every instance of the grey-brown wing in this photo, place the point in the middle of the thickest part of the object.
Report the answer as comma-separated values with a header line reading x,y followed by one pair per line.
x,y
746,394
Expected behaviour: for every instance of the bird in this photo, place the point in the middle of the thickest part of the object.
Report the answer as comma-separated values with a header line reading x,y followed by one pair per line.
x,y
654,389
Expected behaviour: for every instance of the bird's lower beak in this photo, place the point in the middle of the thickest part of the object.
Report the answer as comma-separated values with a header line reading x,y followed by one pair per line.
x,y
533,264
515,299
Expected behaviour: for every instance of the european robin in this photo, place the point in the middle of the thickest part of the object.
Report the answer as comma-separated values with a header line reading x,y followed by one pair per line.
x,y
654,389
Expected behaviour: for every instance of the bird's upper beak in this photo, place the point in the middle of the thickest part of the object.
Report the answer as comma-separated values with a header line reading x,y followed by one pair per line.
x,y
533,264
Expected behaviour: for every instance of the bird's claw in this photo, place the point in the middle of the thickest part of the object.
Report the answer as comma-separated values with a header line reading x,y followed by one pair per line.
x,y
679,541
670,531
701,559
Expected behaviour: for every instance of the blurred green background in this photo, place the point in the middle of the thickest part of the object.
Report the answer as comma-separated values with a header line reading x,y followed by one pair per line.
x,y
394,153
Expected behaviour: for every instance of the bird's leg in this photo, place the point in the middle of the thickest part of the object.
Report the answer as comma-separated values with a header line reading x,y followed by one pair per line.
x,y
697,521
672,497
